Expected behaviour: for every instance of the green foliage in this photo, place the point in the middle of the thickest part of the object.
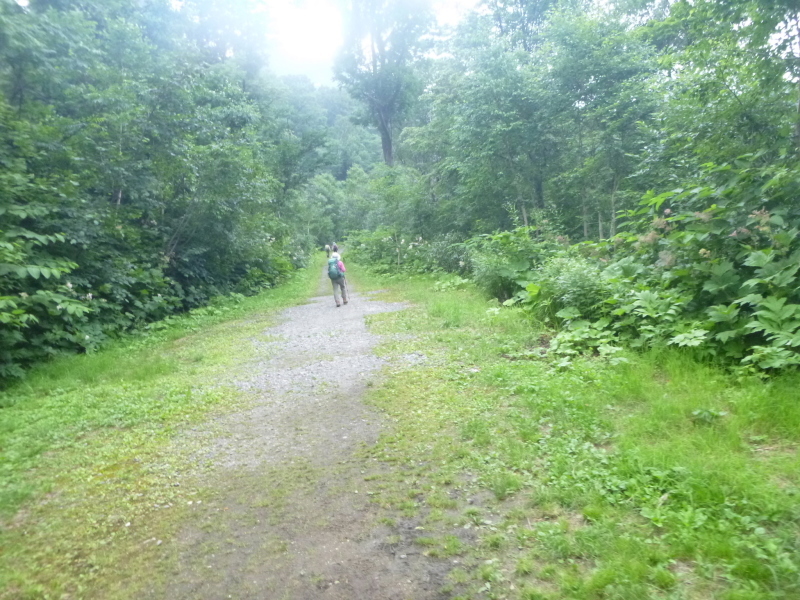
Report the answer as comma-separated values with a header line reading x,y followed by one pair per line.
x,y
712,269
143,171
99,432
660,476
502,261
383,39
567,281
600,120
384,251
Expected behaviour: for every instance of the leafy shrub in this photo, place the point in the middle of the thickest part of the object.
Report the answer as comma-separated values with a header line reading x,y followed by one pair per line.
x,y
502,262
566,281
448,253
715,272
384,251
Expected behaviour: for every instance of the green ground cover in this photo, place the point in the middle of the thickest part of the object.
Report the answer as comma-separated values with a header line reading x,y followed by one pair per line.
x,y
656,477
94,447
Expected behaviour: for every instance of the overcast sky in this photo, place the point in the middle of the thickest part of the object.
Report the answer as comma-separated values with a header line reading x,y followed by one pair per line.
x,y
305,34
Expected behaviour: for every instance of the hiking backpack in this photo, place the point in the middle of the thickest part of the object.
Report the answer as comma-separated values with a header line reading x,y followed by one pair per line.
x,y
333,269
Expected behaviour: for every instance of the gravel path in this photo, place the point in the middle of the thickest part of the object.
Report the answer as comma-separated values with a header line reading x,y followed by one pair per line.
x,y
290,518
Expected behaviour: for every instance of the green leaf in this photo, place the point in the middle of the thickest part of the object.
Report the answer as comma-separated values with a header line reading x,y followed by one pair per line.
x,y
721,313
568,313
759,258
533,289
726,336
750,299
691,339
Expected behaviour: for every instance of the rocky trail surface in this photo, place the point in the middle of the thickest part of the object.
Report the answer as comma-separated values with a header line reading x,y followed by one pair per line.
x,y
289,515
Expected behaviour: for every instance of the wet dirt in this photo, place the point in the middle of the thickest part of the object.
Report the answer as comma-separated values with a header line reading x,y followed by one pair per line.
x,y
289,516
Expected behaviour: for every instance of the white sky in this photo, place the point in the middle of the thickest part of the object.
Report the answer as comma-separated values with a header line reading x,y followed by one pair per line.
x,y
305,35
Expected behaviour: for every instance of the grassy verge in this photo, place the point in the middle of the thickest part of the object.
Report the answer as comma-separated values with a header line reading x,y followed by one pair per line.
x,y
94,470
655,478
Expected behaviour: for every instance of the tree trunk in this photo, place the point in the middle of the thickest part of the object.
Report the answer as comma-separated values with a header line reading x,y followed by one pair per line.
x,y
599,225
386,144
385,129
585,210
524,213
797,120
538,191
613,224
796,51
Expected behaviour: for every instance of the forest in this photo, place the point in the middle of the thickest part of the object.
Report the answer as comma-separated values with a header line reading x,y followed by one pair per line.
x,y
149,165
626,171
569,366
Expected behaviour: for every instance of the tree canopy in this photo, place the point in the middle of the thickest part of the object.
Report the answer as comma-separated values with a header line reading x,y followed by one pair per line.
x,y
151,161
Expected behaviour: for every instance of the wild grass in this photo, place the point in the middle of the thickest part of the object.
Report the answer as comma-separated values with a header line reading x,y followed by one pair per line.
x,y
92,463
660,477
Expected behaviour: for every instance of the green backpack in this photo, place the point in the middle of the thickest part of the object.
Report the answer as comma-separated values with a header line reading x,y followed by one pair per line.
x,y
333,269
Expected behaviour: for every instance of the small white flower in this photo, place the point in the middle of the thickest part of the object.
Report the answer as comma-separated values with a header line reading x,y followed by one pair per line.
x,y
23,295
89,296
69,285
59,307
87,337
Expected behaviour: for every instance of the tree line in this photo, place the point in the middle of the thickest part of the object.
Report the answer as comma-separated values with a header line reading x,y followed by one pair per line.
x,y
149,163
626,170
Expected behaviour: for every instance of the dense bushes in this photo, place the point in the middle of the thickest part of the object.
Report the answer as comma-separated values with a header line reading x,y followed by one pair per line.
x,y
141,172
384,251
714,268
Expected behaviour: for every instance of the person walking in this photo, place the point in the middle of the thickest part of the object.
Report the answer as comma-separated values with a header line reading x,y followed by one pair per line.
x,y
336,272
328,250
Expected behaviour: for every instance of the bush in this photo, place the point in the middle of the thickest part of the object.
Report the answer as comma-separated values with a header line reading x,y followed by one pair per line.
x,y
384,251
571,281
502,263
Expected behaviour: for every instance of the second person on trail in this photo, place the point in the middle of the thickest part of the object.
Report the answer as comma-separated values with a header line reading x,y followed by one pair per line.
x,y
336,272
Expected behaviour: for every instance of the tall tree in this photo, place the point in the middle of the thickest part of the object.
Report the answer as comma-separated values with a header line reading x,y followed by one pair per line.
x,y
384,38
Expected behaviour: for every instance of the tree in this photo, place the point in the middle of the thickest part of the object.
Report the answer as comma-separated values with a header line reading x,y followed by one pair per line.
x,y
147,166
384,38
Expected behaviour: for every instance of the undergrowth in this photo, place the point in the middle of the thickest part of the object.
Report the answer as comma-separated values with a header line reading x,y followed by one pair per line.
x,y
655,477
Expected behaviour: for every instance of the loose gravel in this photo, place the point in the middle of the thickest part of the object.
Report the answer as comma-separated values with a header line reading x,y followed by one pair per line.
x,y
288,517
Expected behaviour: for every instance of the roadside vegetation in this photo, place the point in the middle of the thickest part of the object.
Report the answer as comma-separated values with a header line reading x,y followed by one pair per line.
x,y
657,477
150,163
591,204
97,466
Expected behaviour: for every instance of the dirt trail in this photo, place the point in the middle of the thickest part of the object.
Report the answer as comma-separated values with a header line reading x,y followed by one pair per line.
x,y
290,517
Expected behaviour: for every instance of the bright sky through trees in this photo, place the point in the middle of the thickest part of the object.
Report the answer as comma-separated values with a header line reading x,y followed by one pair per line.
x,y
305,35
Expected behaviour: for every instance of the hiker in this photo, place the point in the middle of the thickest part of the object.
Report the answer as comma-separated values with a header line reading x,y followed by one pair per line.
x,y
328,250
334,247
336,272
